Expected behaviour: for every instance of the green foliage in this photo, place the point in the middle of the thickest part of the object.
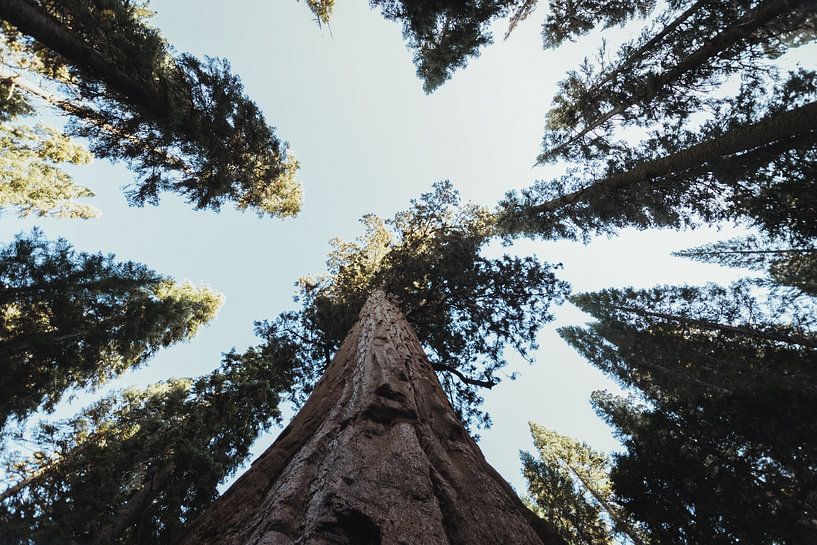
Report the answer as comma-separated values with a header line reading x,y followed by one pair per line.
x,y
669,71
569,487
445,34
707,156
788,265
182,124
139,465
30,179
72,319
727,377
568,19
748,163
466,309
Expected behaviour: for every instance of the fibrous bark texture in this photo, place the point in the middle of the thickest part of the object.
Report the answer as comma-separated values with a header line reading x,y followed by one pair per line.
x,y
375,457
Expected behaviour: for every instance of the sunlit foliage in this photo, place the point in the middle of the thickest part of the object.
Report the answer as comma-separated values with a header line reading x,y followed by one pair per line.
x,y
73,319
182,124
466,309
569,486
139,465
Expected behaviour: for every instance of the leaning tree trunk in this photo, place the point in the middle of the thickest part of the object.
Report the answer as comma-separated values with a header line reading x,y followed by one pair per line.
x,y
375,456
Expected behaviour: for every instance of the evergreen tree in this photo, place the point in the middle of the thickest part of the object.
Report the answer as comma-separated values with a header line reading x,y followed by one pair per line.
x,y
569,19
569,485
183,125
446,34
72,319
751,162
139,465
691,478
31,181
791,265
707,156
465,308
727,378
662,74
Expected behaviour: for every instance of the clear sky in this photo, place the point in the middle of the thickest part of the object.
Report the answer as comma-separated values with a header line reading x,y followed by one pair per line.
x,y
368,139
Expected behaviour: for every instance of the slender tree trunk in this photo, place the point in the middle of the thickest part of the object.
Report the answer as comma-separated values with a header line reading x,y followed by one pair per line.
x,y
135,506
792,123
748,252
29,480
375,457
808,342
614,514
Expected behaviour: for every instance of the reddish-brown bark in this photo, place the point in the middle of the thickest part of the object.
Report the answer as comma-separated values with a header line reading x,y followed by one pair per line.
x,y
375,457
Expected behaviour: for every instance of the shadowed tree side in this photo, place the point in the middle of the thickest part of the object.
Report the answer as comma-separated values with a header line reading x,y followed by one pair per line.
x,y
725,380
375,456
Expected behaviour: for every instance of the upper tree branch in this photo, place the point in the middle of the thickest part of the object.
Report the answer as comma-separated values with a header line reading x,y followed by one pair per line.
x,y
467,380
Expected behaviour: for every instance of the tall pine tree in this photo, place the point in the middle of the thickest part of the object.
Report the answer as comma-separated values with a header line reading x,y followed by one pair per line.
x,y
73,319
139,465
721,449
707,156
182,124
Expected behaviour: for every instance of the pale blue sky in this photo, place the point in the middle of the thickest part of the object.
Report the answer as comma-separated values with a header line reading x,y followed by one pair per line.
x,y
368,140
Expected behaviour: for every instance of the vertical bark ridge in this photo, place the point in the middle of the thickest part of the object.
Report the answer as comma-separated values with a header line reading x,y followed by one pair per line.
x,y
376,456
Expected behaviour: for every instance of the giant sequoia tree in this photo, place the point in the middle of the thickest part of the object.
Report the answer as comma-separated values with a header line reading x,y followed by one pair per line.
x,y
376,455
182,124
73,319
465,308
176,441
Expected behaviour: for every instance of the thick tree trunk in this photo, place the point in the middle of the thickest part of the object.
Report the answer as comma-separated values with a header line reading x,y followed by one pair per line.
x,y
375,456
